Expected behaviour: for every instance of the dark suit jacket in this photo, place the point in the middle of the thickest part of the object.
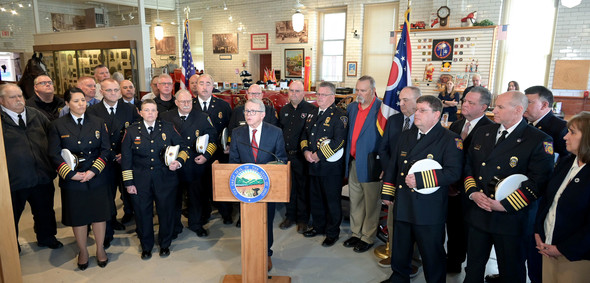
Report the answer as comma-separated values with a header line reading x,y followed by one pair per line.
x,y
393,129
271,139
219,111
367,144
572,219
525,151
557,129
439,144
238,118
457,127
125,115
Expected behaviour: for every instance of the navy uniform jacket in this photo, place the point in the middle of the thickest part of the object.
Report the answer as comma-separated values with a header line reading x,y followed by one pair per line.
x,y
525,151
141,159
391,134
572,220
125,115
197,124
439,144
90,143
557,129
457,127
331,125
238,118
27,157
219,112
271,139
367,144
292,121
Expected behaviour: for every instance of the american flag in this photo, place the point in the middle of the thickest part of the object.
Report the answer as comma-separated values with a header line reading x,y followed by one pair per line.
x,y
188,68
399,76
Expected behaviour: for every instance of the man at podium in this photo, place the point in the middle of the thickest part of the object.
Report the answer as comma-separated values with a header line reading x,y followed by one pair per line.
x,y
250,146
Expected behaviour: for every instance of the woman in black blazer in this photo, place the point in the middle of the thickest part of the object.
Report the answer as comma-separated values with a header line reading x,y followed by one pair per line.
x,y
84,190
562,230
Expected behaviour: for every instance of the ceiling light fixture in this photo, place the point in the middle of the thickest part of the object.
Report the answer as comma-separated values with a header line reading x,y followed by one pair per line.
x,y
14,12
131,17
20,5
571,3
298,21
224,6
158,29
2,9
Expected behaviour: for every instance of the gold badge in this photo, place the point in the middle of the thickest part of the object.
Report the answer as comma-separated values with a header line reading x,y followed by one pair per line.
x,y
430,156
220,115
163,136
97,134
196,133
513,161
477,147
327,122
126,125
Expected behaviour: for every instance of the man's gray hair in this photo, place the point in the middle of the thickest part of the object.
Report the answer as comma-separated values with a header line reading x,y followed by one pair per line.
x,y
257,101
5,87
329,85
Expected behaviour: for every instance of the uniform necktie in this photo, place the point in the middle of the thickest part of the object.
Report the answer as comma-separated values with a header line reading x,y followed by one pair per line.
x,y
21,122
80,123
502,137
150,130
421,136
254,145
204,106
183,118
112,111
465,131
406,124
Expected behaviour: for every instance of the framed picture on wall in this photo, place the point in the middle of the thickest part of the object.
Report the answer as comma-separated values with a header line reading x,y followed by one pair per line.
x,y
294,62
351,68
259,41
225,43
285,33
166,46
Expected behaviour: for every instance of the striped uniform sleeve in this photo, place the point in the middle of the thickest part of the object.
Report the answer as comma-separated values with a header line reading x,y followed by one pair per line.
x,y
328,151
426,179
65,172
182,156
518,199
388,191
127,175
470,185
211,148
98,165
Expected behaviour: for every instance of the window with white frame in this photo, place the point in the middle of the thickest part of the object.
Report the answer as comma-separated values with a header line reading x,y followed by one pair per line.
x,y
331,45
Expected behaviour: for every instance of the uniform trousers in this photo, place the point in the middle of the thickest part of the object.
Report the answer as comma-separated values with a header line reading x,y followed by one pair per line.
x,y
143,204
199,207
509,252
430,241
416,259
298,206
533,257
456,231
326,208
561,270
365,206
40,199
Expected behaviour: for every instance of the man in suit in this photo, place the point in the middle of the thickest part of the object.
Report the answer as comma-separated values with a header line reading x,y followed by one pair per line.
x,y
44,99
498,151
476,80
148,179
192,124
246,140
292,119
330,123
101,73
362,165
420,218
30,171
238,118
219,112
128,94
117,117
88,86
473,110
165,100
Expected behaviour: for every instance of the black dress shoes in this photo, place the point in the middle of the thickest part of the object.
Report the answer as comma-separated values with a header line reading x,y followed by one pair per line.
x,y
201,232
227,221
164,252
145,255
311,233
302,228
102,264
116,225
329,241
362,247
127,218
492,278
82,266
52,244
351,242
286,224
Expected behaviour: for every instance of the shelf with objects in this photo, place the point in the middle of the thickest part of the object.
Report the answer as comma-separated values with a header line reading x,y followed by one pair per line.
x,y
66,63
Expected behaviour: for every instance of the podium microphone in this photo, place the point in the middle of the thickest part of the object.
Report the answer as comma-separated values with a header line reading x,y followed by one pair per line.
x,y
277,160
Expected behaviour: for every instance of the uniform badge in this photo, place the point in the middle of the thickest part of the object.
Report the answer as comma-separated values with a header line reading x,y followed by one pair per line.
x,y
126,125
197,133
303,115
477,147
548,146
327,122
344,120
513,161
403,153
220,115
97,134
459,143
137,140
430,156
163,136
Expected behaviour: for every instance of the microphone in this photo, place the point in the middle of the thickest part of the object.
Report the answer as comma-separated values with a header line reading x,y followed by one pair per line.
x,y
277,160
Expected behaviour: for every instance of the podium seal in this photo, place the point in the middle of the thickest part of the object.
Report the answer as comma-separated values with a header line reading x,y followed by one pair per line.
x,y
249,183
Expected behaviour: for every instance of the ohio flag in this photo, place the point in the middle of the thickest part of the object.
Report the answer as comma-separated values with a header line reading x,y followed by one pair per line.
x,y
399,76
188,68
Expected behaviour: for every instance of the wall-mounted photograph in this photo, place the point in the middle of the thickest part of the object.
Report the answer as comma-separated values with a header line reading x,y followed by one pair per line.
x,y
294,62
351,68
225,43
284,33
166,46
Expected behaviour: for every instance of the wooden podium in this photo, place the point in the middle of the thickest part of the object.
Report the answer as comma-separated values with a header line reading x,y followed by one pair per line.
x,y
254,220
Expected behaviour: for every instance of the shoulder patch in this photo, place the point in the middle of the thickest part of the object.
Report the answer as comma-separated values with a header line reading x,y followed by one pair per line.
x,y
209,119
459,143
548,146
344,120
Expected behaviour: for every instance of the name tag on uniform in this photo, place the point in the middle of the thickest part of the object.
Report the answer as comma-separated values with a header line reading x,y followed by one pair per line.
x,y
403,153
65,136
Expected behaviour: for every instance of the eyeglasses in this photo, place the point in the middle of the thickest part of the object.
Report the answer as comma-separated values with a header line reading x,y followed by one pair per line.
x,y
184,101
325,94
423,110
112,90
252,112
165,83
45,83
295,90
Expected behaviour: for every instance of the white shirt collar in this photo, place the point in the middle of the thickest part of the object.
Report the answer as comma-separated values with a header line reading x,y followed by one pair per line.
x,y
502,128
180,114
13,115
420,132
537,121
76,118
108,107
147,125
208,101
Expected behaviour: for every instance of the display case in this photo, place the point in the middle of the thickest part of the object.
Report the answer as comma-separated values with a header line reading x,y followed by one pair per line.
x,y
66,63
